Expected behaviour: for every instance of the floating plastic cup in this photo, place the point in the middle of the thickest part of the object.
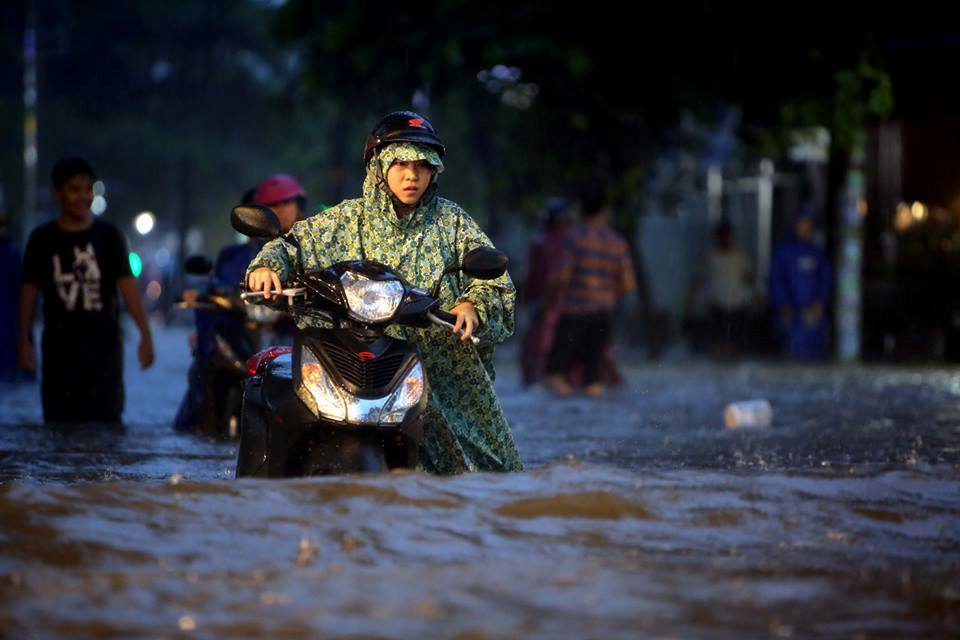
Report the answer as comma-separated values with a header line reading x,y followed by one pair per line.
x,y
749,414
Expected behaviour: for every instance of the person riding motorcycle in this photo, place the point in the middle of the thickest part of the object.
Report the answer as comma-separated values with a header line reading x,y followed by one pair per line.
x,y
287,197
401,221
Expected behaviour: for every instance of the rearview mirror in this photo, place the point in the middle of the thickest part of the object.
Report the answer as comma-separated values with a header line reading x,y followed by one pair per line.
x,y
485,263
255,221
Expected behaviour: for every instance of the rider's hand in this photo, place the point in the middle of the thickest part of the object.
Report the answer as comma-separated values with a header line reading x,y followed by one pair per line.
x,y
145,352
263,279
467,319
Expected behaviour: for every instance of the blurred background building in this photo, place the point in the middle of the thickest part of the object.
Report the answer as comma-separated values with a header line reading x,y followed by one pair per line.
x,y
693,115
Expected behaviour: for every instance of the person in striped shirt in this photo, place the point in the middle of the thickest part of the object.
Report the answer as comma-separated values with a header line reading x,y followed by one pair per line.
x,y
595,273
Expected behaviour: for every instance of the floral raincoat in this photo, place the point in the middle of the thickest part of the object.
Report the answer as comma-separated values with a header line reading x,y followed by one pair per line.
x,y
464,427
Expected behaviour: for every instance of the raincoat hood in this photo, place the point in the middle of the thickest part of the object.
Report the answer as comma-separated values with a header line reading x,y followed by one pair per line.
x,y
377,198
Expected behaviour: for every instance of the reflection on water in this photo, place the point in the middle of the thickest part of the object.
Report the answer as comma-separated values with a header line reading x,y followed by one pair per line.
x,y
843,520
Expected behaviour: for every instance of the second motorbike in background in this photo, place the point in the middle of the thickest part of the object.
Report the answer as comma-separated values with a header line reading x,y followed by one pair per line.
x,y
229,331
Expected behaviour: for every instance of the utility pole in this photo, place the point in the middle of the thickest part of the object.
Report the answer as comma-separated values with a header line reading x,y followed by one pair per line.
x,y
29,121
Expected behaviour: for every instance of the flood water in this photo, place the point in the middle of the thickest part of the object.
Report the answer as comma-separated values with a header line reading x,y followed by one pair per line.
x,y
639,515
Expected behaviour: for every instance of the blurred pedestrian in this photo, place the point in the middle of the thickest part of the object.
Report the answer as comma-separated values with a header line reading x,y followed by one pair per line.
x,y
78,264
594,275
800,282
725,281
543,259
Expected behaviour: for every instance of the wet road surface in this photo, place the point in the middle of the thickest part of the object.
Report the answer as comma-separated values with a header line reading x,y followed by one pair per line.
x,y
639,515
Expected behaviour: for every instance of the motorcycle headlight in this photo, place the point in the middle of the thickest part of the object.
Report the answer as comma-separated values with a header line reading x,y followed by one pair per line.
x,y
326,400
410,392
322,395
364,411
371,300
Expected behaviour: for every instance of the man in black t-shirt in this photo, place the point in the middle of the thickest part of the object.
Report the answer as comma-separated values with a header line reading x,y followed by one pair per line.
x,y
78,264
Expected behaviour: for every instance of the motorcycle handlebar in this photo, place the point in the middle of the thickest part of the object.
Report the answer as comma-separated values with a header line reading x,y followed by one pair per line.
x,y
289,293
445,316
448,320
438,317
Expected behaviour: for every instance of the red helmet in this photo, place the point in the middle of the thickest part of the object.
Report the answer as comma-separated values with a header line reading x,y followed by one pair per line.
x,y
278,188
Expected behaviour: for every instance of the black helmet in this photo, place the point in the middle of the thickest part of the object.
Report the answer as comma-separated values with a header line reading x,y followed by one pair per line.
x,y
402,126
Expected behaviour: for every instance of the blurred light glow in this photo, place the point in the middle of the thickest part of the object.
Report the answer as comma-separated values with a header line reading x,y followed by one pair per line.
x,y
919,211
99,188
171,242
421,100
904,217
505,81
194,240
505,73
144,222
810,144
99,205
162,258
136,265
259,69
161,70
154,290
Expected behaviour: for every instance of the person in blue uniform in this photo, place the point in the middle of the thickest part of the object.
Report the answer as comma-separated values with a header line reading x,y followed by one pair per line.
x,y
800,284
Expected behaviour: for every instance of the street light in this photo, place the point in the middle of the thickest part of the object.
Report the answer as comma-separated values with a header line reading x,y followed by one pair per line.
x,y
99,198
144,222
99,205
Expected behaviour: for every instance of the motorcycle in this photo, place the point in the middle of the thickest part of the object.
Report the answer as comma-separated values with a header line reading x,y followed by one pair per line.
x,y
346,397
212,403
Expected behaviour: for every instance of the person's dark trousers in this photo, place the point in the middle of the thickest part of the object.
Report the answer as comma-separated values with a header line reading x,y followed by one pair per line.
x,y
581,339
190,413
728,327
82,379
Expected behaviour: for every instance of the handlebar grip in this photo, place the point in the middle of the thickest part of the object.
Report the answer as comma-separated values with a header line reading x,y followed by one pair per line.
x,y
445,316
